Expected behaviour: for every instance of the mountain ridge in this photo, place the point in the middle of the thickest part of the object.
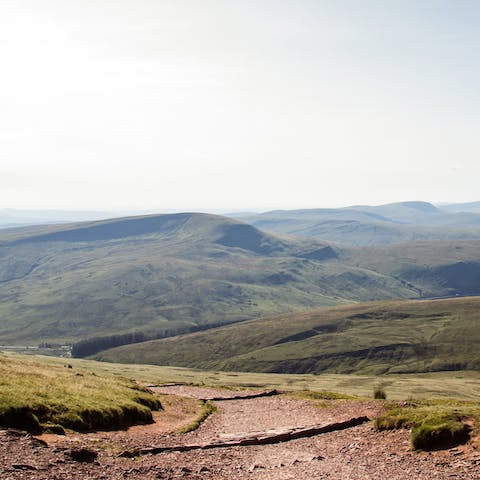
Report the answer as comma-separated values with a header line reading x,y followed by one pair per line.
x,y
364,225
173,272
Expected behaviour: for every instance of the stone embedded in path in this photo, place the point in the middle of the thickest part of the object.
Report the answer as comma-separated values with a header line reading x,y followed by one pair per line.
x,y
23,466
82,455
246,396
257,438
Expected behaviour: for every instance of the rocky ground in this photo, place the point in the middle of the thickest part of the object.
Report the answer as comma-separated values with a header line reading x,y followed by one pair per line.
x,y
352,453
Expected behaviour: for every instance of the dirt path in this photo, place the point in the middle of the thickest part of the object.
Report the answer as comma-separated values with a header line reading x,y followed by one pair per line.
x,y
355,453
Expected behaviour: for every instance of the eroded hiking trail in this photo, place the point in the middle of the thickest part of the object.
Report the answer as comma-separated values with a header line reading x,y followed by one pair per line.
x,y
350,452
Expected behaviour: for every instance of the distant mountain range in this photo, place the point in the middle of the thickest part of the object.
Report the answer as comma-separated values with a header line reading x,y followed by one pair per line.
x,y
378,225
164,274
11,217
417,213
471,207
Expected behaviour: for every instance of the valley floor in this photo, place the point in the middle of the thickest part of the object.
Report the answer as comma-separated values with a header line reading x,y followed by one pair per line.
x,y
352,453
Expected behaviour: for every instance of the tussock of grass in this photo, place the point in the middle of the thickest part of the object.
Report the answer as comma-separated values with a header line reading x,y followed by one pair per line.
x,y
36,397
445,434
208,408
435,424
379,393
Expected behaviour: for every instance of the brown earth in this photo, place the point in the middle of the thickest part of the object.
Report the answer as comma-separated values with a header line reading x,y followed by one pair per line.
x,y
355,453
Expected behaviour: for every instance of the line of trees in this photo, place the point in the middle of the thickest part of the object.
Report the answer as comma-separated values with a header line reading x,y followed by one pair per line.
x,y
91,346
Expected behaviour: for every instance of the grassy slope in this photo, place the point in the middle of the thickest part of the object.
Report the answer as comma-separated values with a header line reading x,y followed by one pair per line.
x,y
66,283
435,268
34,395
438,385
374,338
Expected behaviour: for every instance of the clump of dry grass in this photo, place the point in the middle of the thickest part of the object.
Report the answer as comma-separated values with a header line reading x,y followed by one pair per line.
x,y
379,392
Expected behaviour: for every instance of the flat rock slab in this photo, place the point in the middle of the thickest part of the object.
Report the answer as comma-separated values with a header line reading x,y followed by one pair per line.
x,y
213,394
257,438
243,396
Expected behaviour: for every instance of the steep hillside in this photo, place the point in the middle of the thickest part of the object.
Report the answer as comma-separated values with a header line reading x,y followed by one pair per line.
x,y
373,338
437,268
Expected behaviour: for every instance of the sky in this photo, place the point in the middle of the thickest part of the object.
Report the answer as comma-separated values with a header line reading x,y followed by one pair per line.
x,y
238,104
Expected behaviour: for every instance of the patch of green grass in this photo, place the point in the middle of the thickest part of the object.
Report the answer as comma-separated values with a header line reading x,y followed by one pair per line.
x,y
35,396
208,408
441,434
321,395
435,424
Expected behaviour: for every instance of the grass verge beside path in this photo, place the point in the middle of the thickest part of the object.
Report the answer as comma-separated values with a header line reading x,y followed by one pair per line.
x,y
454,384
208,408
435,424
36,397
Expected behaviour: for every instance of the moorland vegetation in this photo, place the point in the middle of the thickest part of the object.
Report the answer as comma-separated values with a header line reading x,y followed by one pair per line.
x,y
140,278
367,338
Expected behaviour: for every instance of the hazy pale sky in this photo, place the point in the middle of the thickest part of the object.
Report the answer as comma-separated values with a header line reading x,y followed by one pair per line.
x,y
158,104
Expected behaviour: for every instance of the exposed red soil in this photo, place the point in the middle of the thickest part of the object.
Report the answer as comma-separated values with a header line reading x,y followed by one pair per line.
x,y
356,453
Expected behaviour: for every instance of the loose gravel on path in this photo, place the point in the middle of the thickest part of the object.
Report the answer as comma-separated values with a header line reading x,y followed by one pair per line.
x,y
356,453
